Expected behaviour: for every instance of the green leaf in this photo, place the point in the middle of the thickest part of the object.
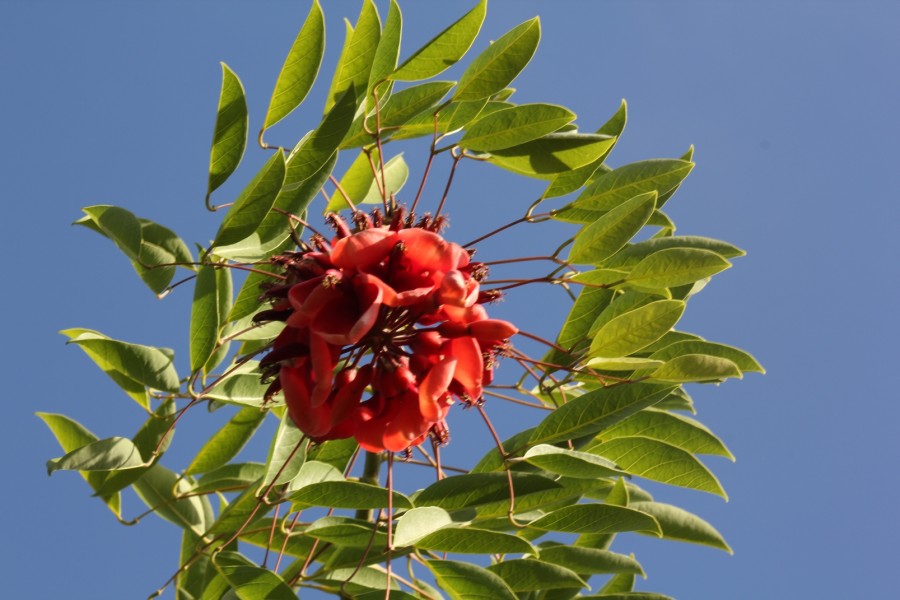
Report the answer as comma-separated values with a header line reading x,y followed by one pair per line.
x,y
630,596
167,495
110,454
621,583
596,518
500,63
678,399
355,63
636,329
597,410
635,253
445,49
247,301
71,435
554,153
469,540
191,581
236,476
246,508
611,189
145,243
514,126
406,104
605,236
346,532
243,389
385,60
230,134
251,207
205,323
227,442
743,360
419,522
300,68
677,266
590,560
622,363
573,335
570,463
679,524
145,365
659,461
361,185
287,453
250,582
696,367
476,489
314,471
346,494
224,293
464,581
685,433
530,575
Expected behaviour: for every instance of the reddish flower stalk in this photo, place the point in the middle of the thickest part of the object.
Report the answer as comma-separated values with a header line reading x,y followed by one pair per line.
x,y
389,310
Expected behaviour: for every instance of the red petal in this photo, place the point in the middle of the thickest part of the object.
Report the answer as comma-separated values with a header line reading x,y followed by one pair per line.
x,y
363,249
434,387
470,365
428,251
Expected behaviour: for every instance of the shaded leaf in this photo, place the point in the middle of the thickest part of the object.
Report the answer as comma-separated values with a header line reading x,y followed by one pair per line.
x,y
191,582
685,433
605,236
166,494
227,441
469,540
514,126
230,133
570,463
242,389
696,367
287,453
475,489
530,575
110,454
344,531
346,494
590,560
659,461
743,360
500,63
679,524
249,581
596,518
464,581
622,363
300,67
229,477
445,49
204,331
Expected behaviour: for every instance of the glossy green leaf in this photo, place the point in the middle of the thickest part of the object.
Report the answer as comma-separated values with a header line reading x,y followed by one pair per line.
x,y
596,410
71,435
743,360
636,329
204,331
554,153
596,518
419,522
573,335
145,365
685,433
110,454
249,581
407,103
677,266
300,68
611,189
570,463
605,236
622,363
635,253
243,389
445,49
387,53
659,461
314,471
224,445
464,581
530,575
235,476
344,531
514,126
355,63
469,540
696,368
346,494
624,302
287,453
253,204
167,495
679,524
147,244
590,560
500,63
230,134
475,489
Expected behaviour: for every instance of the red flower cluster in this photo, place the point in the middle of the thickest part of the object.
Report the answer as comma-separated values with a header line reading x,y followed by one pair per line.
x,y
398,298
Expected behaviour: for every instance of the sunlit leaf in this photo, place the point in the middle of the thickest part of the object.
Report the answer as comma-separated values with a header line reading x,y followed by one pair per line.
x,y
611,189
596,518
344,531
224,445
300,68
500,63
287,453
230,477
622,363
110,454
685,433
419,522
168,496
346,494
253,204
204,331
696,367
243,389
515,125
385,60
605,236
554,153
249,581
445,49
530,575
570,463
676,266
355,63
360,184
679,524
636,329
464,581
590,560
659,461
469,540
635,253
407,103
230,134
743,360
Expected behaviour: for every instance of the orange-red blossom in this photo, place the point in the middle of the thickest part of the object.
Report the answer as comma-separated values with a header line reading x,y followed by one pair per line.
x,y
392,309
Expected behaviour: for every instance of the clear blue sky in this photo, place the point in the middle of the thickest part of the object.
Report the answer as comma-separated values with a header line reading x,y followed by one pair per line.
x,y
792,107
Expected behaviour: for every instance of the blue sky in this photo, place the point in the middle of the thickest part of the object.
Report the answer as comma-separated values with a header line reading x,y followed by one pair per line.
x,y
792,108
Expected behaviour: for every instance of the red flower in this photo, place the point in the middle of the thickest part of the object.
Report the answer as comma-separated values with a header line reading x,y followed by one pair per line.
x,y
403,302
